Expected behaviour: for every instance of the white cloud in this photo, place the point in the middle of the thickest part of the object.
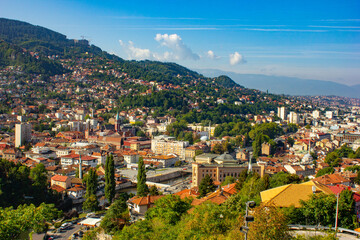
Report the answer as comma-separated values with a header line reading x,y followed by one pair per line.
x,y
236,58
179,50
210,54
136,53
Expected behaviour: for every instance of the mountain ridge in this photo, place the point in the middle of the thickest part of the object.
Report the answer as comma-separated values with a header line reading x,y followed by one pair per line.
x,y
288,85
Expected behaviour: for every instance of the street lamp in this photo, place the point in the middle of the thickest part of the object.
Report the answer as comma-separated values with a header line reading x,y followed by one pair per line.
x,y
247,218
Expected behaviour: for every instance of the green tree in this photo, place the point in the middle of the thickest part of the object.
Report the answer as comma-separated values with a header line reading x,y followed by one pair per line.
x,y
206,185
169,209
154,191
109,178
13,222
292,127
356,154
91,182
347,216
208,221
142,188
327,170
321,209
91,202
228,180
357,179
218,148
116,217
257,144
282,178
290,141
333,159
241,179
39,176
344,151
270,223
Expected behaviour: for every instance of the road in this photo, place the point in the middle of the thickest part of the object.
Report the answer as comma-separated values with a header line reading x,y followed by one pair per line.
x,y
66,233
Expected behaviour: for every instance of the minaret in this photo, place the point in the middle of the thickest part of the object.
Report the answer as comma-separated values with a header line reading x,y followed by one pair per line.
x,y
209,130
250,165
80,167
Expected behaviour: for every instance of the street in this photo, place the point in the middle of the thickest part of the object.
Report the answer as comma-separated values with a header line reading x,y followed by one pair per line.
x,y
66,233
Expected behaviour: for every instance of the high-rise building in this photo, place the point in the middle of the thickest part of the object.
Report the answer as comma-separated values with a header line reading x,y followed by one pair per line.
x,y
329,114
22,134
165,145
282,113
293,118
316,114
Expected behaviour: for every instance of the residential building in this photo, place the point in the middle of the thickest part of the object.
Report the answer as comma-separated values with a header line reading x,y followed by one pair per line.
x,y
62,181
164,145
316,114
282,113
142,204
293,118
303,170
165,160
329,114
22,134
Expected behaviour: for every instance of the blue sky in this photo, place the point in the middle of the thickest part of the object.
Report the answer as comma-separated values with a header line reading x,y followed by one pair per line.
x,y
306,39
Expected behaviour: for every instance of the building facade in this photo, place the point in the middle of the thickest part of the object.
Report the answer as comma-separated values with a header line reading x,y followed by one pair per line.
x,y
164,145
219,167
22,134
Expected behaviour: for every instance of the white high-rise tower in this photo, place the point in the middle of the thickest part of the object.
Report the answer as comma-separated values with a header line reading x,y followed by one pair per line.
x,y
22,134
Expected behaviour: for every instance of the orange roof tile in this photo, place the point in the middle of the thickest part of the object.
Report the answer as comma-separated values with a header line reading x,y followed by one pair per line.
x,y
59,178
57,188
140,201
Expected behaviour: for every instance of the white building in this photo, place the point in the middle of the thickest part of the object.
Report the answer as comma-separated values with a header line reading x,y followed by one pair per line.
x,y
329,114
282,113
131,158
74,159
316,114
293,118
164,145
165,160
22,134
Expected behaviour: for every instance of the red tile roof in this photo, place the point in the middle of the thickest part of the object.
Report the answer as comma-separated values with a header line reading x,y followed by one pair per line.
x,y
57,188
192,192
59,178
140,201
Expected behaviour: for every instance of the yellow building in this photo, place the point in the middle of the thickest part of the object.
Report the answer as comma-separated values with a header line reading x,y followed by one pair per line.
x,y
218,167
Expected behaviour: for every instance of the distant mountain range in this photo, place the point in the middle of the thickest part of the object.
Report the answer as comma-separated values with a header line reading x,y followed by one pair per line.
x,y
287,85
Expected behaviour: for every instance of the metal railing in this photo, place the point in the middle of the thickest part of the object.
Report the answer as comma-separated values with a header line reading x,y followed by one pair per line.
x,y
320,228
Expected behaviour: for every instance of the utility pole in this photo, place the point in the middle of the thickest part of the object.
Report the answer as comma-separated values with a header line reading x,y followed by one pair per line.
x,y
247,218
337,213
